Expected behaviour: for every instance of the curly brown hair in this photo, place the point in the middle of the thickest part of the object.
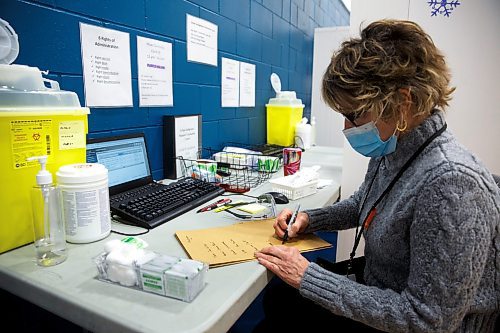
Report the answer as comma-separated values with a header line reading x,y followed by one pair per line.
x,y
367,73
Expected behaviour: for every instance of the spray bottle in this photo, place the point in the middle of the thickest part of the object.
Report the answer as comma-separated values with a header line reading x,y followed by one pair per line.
x,y
48,224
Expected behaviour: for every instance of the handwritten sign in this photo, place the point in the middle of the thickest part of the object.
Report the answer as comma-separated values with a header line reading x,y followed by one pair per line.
x,y
71,135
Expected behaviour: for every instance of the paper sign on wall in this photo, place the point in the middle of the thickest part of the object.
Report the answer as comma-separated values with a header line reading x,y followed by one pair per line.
x,y
201,38
230,83
154,59
106,66
247,84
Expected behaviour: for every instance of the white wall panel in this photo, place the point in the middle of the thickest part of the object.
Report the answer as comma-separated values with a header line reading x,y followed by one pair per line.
x,y
329,124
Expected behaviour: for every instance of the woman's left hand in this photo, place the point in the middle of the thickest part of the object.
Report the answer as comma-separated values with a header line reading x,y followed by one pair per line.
x,y
284,261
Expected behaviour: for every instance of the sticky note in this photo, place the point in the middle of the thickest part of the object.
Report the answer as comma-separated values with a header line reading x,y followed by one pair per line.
x,y
71,135
252,208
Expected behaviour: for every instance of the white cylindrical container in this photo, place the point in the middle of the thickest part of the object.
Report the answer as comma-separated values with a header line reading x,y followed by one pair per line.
x,y
303,134
85,196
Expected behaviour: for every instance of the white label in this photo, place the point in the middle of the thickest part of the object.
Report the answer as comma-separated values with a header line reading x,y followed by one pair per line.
x,y
86,215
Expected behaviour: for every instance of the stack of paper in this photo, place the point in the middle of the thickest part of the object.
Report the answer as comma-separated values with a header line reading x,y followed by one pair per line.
x,y
238,242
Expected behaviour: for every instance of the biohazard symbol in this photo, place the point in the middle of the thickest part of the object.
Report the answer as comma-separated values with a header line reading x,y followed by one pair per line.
x,y
36,136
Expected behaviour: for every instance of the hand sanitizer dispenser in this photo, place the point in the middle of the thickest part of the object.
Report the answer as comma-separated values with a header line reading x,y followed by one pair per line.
x,y
48,224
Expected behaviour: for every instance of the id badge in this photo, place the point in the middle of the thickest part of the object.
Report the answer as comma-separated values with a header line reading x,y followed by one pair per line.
x,y
351,277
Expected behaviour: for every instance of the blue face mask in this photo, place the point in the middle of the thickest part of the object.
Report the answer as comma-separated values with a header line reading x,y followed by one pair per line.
x,y
366,140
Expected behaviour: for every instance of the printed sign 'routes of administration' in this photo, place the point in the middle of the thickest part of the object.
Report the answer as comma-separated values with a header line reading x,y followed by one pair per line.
x,y
106,66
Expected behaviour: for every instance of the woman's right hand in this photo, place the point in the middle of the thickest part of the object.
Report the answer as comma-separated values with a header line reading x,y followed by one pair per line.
x,y
281,223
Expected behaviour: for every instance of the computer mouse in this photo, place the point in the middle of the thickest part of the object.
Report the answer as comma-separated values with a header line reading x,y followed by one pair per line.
x,y
279,198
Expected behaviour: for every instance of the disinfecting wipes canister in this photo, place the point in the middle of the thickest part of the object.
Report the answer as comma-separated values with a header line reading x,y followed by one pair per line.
x,y
85,200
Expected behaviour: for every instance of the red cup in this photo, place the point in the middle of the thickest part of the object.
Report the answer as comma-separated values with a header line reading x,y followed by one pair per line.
x,y
291,160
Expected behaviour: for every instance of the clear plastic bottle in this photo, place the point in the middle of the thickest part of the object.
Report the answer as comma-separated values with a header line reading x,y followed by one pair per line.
x,y
303,134
313,131
48,224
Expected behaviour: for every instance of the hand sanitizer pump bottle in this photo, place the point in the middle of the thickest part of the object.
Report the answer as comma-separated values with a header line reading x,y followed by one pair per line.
x,y
48,224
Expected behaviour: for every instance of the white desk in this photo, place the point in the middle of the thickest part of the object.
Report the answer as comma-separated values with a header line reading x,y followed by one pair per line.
x,y
71,290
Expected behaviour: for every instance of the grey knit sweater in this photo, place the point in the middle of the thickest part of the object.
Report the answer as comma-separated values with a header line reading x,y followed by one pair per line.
x,y
432,251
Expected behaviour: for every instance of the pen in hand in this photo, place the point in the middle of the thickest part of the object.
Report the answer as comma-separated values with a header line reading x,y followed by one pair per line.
x,y
290,223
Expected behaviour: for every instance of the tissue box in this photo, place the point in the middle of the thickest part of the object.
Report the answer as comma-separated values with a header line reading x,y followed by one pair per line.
x,y
293,192
164,275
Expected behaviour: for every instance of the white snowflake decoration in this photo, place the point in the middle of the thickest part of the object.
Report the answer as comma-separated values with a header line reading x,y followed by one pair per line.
x,y
443,7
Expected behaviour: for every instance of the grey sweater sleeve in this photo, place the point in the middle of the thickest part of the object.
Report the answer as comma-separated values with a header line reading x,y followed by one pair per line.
x,y
344,214
339,216
449,239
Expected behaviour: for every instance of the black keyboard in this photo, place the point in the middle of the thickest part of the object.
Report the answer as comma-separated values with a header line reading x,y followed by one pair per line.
x,y
270,150
154,204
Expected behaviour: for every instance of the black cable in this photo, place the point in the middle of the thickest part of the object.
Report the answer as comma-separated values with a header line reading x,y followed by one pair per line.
x,y
118,219
245,195
125,234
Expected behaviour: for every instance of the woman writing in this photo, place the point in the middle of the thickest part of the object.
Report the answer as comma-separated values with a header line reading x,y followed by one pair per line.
x,y
428,209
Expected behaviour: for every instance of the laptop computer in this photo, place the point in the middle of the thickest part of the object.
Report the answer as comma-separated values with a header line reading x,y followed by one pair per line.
x,y
133,194
126,159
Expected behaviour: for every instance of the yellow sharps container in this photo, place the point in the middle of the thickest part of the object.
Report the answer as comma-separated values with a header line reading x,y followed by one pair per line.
x,y
34,120
283,113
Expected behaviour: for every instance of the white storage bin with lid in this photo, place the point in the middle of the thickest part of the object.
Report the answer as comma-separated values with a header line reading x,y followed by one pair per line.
x,y
85,196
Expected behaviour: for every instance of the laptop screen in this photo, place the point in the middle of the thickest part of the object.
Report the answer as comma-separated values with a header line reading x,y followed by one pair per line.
x,y
125,157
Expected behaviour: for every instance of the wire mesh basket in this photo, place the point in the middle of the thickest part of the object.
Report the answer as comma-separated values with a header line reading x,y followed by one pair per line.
x,y
235,171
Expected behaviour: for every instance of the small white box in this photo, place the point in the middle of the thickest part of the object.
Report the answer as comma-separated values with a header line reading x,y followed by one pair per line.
x,y
294,192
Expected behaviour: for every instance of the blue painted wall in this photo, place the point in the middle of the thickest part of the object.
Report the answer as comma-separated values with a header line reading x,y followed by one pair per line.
x,y
275,35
